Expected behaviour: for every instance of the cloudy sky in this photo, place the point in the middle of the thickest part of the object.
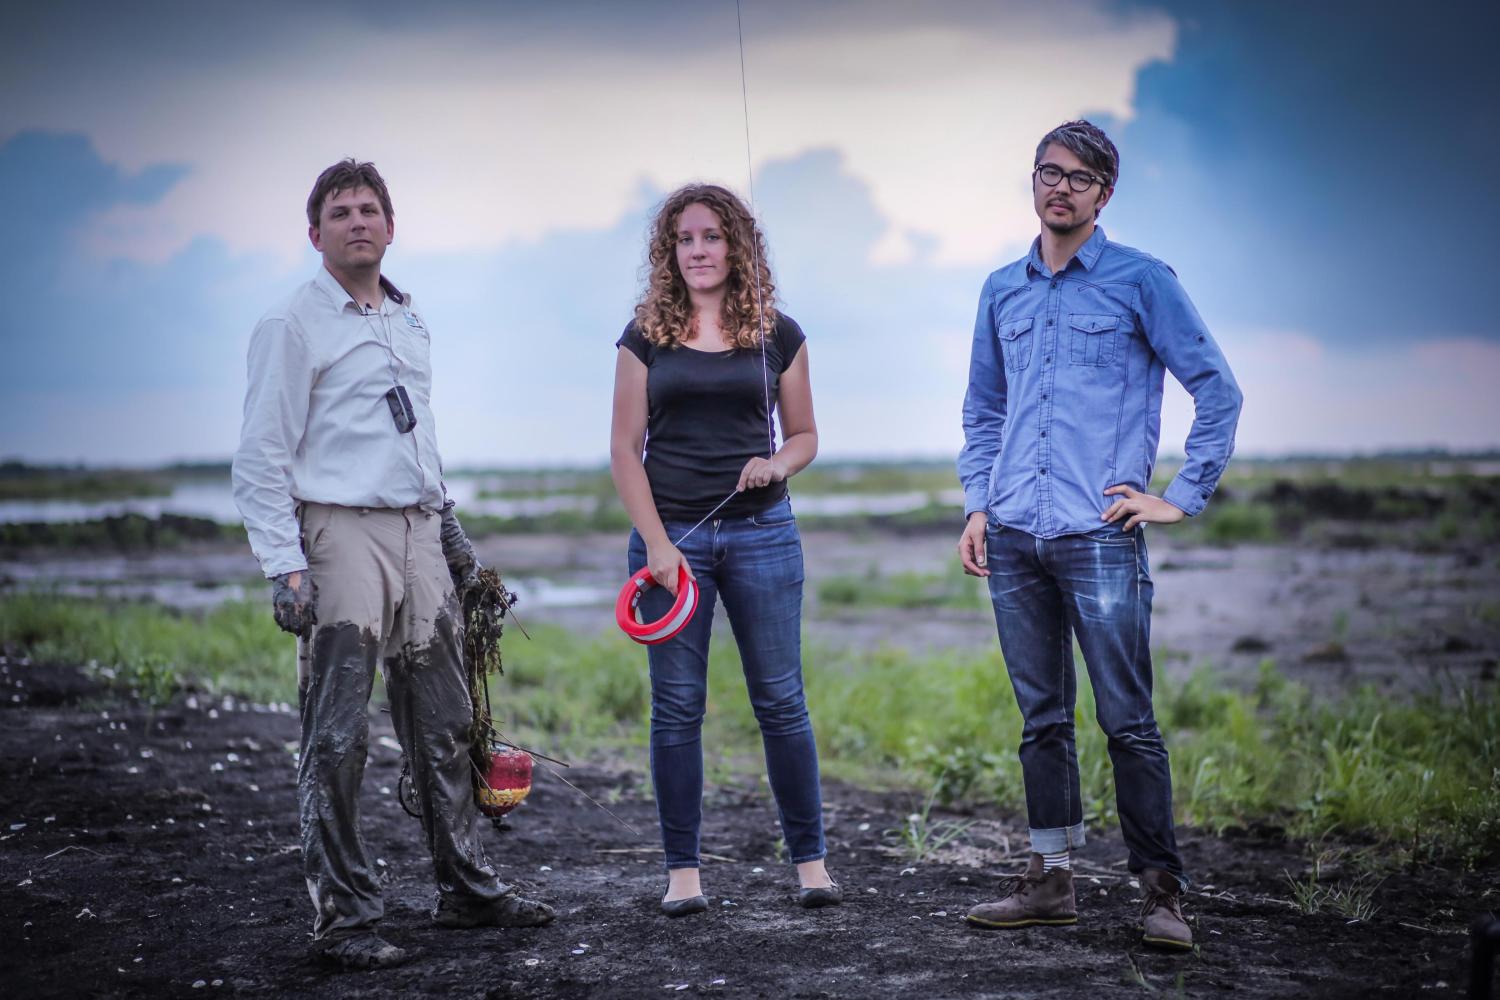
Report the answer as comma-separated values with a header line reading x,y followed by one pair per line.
x,y
1319,175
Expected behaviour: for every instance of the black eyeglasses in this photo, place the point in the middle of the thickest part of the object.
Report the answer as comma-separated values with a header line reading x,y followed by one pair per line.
x,y
1079,180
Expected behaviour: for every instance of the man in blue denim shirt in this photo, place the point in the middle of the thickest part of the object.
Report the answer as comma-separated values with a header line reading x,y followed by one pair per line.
x,y
1061,423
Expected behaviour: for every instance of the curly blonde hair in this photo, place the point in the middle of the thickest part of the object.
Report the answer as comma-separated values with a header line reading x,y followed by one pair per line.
x,y
664,315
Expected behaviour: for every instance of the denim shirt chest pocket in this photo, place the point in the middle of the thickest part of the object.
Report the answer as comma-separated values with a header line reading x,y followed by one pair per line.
x,y
1015,342
1091,338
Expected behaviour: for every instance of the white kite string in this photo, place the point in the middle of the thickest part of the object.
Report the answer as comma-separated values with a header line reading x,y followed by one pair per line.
x,y
755,243
765,374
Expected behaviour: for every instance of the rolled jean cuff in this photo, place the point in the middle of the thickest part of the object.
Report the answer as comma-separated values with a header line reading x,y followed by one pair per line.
x,y
681,864
818,856
1056,839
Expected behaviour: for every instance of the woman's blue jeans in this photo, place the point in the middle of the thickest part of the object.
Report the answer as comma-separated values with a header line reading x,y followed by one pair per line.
x,y
755,565
1096,586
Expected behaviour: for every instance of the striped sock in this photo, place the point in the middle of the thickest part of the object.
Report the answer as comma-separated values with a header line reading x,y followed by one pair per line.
x,y
1058,860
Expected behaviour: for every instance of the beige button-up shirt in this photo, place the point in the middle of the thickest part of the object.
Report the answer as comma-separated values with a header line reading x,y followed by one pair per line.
x,y
317,425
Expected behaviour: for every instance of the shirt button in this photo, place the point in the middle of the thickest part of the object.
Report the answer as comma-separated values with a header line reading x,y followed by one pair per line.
x,y
1047,360
1049,322
1044,433
1044,472
1044,395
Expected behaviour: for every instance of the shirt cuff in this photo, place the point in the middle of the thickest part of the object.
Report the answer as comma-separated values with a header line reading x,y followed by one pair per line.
x,y
1187,496
281,563
976,497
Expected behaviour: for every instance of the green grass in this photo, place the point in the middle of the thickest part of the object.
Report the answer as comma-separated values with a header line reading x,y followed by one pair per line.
x,y
607,516
149,649
1232,523
1352,897
1419,777
822,478
19,481
921,837
124,533
952,589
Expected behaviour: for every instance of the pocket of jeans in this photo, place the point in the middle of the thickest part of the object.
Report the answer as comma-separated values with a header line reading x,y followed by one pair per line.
x,y
778,515
1092,339
1015,343
1111,534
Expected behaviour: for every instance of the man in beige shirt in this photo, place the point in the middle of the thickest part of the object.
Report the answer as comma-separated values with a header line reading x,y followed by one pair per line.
x,y
338,478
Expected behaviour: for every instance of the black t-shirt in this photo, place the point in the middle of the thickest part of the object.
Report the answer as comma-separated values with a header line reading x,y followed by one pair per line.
x,y
706,418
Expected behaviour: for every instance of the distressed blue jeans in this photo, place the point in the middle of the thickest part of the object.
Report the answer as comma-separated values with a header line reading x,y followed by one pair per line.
x,y
1096,586
755,565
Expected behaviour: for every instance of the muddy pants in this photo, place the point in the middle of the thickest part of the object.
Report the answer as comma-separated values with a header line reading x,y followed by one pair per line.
x,y
384,596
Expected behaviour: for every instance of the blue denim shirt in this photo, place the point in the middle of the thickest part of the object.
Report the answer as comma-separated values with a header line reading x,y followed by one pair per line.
x,y
1065,388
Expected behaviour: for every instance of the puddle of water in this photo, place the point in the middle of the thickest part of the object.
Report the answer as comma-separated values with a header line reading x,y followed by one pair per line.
x,y
196,499
838,504
214,500
539,592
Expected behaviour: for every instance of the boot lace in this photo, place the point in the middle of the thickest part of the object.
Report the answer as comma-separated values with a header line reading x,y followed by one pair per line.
x,y
1022,884
1153,899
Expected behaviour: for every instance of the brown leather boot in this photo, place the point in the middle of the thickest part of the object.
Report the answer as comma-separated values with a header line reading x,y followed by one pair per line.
x,y
1161,912
1036,897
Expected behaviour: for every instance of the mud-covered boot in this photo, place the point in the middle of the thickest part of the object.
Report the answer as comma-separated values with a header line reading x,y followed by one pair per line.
x,y
366,950
510,910
1037,897
1161,912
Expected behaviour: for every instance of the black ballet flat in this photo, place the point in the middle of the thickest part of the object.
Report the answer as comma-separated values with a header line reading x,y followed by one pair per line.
x,y
682,907
823,895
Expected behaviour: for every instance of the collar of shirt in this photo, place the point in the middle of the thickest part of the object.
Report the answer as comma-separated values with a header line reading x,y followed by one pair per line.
x,y
1087,255
341,297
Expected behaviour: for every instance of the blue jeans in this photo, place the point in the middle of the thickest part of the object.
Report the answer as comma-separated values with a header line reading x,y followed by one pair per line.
x,y
755,564
1096,586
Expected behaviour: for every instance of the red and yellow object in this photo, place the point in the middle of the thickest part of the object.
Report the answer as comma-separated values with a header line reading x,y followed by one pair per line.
x,y
506,783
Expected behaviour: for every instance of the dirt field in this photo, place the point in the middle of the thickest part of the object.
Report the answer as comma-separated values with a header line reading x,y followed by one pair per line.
x,y
153,856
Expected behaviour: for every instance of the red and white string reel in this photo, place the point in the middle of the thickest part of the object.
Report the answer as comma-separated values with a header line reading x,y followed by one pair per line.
x,y
628,608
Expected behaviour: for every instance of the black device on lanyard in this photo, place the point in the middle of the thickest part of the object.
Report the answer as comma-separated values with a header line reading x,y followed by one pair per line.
x,y
395,397
401,411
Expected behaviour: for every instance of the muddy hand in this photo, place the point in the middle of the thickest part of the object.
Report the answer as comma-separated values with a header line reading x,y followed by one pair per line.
x,y
294,602
463,563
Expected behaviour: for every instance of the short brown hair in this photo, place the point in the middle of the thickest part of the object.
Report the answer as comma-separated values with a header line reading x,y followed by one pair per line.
x,y
1088,142
347,175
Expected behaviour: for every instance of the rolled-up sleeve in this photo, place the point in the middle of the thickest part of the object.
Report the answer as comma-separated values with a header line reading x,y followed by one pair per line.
x,y
281,373
984,409
1179,337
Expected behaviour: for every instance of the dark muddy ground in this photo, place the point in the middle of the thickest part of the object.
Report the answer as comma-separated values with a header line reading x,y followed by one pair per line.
x,y
155,855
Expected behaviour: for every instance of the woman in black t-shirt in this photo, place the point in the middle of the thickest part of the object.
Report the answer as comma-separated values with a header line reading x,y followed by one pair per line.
x,y
695,388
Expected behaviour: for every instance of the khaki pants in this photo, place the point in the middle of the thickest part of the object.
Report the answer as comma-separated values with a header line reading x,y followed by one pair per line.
x,y
384,596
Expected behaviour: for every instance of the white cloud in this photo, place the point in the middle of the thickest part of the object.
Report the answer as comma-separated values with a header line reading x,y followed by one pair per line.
x,y
488,136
